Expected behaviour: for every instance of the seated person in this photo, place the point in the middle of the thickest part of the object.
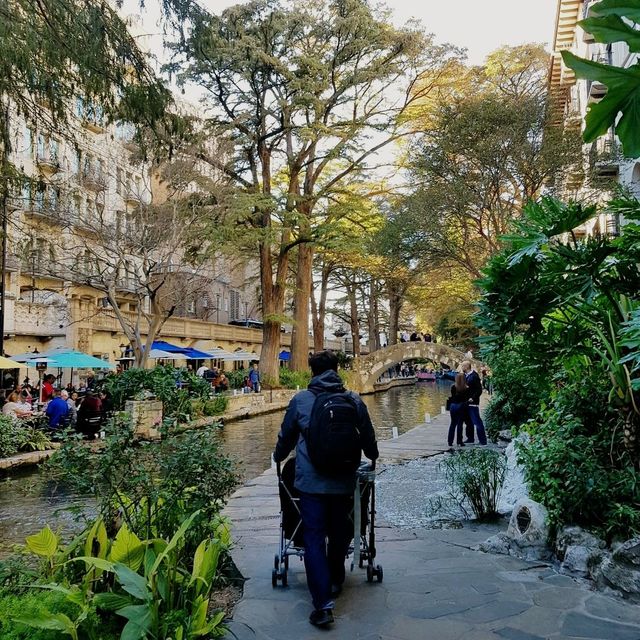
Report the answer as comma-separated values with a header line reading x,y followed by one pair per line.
x,y
57,411
221,382
15,408
89,415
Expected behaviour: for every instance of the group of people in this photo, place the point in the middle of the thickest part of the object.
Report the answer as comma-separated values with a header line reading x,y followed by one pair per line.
x,y
464,408
215,377
84,409
416,336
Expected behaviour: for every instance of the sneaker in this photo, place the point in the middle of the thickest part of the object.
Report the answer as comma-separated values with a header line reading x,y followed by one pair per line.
x,y
321,617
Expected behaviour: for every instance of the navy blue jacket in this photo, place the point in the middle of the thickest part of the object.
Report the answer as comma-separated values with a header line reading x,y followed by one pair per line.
x,y
475,387
296,421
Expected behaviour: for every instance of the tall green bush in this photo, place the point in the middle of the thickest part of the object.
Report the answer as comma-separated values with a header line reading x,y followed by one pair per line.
x,y
521,386
575,461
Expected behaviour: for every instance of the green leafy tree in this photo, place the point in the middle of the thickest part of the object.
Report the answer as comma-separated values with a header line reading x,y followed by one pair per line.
x,y
300,90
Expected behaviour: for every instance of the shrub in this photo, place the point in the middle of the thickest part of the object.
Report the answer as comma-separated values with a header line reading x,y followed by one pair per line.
x,y
520,386
474,479
292,379
216,405
17,436
151,486
236,378
175,387
576,464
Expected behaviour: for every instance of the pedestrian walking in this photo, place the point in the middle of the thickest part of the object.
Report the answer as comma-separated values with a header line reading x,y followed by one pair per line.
x,y
329,427
457,404
475,391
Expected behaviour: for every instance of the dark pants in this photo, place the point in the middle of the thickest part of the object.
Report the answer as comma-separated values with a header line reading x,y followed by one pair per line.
x,y
457,412
327,533
468,422
472,418
256,387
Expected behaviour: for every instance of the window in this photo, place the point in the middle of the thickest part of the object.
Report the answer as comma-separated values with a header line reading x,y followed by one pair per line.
x,y
120,222
191,306
27,139
234,298
42,146
79,107
76,162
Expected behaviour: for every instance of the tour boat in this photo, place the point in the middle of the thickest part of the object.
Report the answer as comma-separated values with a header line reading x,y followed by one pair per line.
x,y
426,375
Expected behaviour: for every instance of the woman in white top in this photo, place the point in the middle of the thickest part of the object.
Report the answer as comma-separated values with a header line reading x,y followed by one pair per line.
x,y
14,408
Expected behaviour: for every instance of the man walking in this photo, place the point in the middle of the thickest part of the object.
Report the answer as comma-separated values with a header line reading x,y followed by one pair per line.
x,y
473,418
323,416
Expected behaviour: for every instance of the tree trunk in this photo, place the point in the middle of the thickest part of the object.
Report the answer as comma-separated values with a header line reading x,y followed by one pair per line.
x,y
371,317
302,295
354,323
395,306
272,310
319,309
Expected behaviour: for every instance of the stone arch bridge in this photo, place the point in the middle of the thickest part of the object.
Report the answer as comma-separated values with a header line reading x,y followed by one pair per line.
x,y
366,370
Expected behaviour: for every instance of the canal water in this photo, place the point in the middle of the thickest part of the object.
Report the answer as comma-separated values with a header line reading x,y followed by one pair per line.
x,y
27,503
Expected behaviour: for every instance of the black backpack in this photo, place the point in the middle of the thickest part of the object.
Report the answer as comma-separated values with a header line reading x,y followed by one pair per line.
x,y
333,436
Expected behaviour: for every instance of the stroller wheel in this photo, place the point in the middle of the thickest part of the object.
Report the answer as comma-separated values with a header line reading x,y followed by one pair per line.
x,y
276,562
285,582
379,573
370,571
274,578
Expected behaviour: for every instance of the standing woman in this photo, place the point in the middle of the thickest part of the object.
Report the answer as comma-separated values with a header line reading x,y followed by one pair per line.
x,y
457,407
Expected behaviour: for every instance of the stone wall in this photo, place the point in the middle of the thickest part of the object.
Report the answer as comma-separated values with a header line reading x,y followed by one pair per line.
x,y
146,416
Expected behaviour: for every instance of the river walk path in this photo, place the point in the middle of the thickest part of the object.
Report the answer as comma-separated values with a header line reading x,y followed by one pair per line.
x,y
436,586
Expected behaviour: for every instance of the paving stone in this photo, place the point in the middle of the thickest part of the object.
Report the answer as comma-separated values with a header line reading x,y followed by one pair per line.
x,y
559,598
405,628
494,610
240,630
515,634
605,607
581,626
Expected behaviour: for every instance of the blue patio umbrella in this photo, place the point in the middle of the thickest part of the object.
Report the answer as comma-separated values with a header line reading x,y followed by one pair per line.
x,y
188,352
69,359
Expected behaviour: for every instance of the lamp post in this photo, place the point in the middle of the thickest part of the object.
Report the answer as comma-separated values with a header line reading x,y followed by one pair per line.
x,y
217,308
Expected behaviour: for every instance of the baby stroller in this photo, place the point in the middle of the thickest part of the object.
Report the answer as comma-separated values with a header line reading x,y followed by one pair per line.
x,y
363,546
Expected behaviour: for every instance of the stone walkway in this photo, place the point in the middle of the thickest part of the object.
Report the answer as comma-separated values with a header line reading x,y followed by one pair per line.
x,y
435,585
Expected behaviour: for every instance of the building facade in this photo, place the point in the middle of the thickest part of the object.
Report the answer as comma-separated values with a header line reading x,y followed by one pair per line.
x,y
82,181
569,101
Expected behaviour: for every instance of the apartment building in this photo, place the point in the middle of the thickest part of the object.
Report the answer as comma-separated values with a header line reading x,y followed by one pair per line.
x,y
84,181
569,100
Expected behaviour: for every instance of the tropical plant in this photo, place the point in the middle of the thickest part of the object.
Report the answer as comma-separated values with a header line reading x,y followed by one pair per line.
x,y
17,436
612,21
158,590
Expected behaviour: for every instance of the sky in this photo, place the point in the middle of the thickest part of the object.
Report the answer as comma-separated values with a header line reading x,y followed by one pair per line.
x,y
479,25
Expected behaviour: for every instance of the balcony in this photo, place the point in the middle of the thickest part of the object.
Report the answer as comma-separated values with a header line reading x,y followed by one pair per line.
x,y
48,163
94,180
42,319
133,196
596,90
606,163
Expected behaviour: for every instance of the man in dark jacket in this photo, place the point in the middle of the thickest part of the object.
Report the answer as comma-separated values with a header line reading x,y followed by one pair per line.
x,y
473,416
325,500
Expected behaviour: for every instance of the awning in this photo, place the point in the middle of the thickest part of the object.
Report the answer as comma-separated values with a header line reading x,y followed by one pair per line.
x,y
284,355
242,356
187,352
158,354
